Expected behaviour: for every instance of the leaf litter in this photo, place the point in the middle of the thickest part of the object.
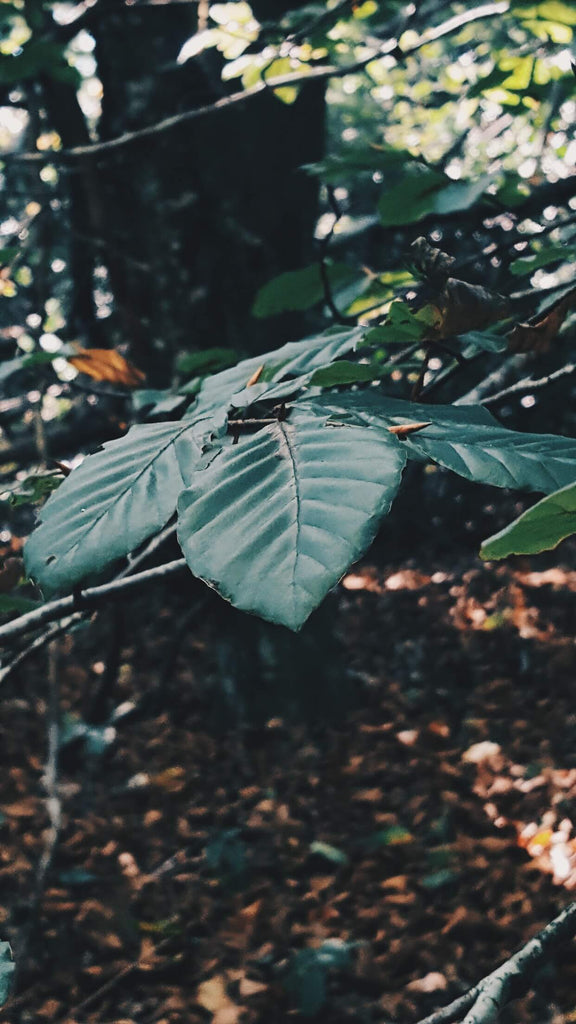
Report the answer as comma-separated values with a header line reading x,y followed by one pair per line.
x,y
427,835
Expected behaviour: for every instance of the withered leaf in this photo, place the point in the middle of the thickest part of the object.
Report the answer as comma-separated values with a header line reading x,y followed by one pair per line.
x,y
469,307
255,376
10,574
431,262
538,336
405,429
106,364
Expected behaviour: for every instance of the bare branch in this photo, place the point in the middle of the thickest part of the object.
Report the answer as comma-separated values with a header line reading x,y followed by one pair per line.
x,y
525,386
86,599
483,1003
390,47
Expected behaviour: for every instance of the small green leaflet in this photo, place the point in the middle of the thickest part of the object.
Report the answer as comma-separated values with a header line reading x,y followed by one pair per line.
x,y
540,528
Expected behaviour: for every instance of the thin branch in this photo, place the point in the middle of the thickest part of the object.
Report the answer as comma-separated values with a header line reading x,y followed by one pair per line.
x,y
390,47
496,379
483,1003
38,643
61,627
53,801
526,386
86,599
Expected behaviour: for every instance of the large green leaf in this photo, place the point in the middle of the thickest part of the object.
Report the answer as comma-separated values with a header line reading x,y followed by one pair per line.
x,y
275,520
540,528
6,971
112,503
290,361
468,440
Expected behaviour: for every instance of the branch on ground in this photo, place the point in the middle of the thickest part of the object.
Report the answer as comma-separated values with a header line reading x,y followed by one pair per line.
x,y
483,1003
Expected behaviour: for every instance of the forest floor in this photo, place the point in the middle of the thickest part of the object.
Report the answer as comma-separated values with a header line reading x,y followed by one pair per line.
x,y
368,869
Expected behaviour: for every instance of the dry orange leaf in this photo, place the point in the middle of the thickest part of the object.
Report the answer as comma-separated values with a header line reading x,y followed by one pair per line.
x,y
251,988
255,376
538,337
405,429
107,364
212,996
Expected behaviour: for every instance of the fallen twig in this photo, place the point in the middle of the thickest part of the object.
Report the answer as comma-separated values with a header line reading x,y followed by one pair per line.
x,y
483,1003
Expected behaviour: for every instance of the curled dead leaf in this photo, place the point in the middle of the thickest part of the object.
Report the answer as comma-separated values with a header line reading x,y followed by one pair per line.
x,y
431,262
538,336
106,364
405,429
469,307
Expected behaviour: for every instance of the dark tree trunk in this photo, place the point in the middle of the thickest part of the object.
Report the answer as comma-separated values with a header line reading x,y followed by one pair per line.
x,y
201,216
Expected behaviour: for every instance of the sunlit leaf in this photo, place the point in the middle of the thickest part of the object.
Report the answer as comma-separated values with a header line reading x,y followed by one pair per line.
x,y
106,364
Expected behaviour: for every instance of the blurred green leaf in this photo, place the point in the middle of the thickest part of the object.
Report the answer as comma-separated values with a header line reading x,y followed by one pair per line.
x,y
20,605
329,853
298,290
540,528
344,372
553,254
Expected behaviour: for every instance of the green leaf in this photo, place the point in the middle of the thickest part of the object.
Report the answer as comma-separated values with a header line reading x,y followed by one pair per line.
x,y
276,519
488,341
344,372
468,440
540,528
293,360
402,326
423,191
20,605
329,853
298,290
439,879
208,360
112,503
553,254
412,198
6,971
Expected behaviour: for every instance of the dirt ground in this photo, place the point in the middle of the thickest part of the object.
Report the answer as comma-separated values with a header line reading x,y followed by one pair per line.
x,y
369,869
